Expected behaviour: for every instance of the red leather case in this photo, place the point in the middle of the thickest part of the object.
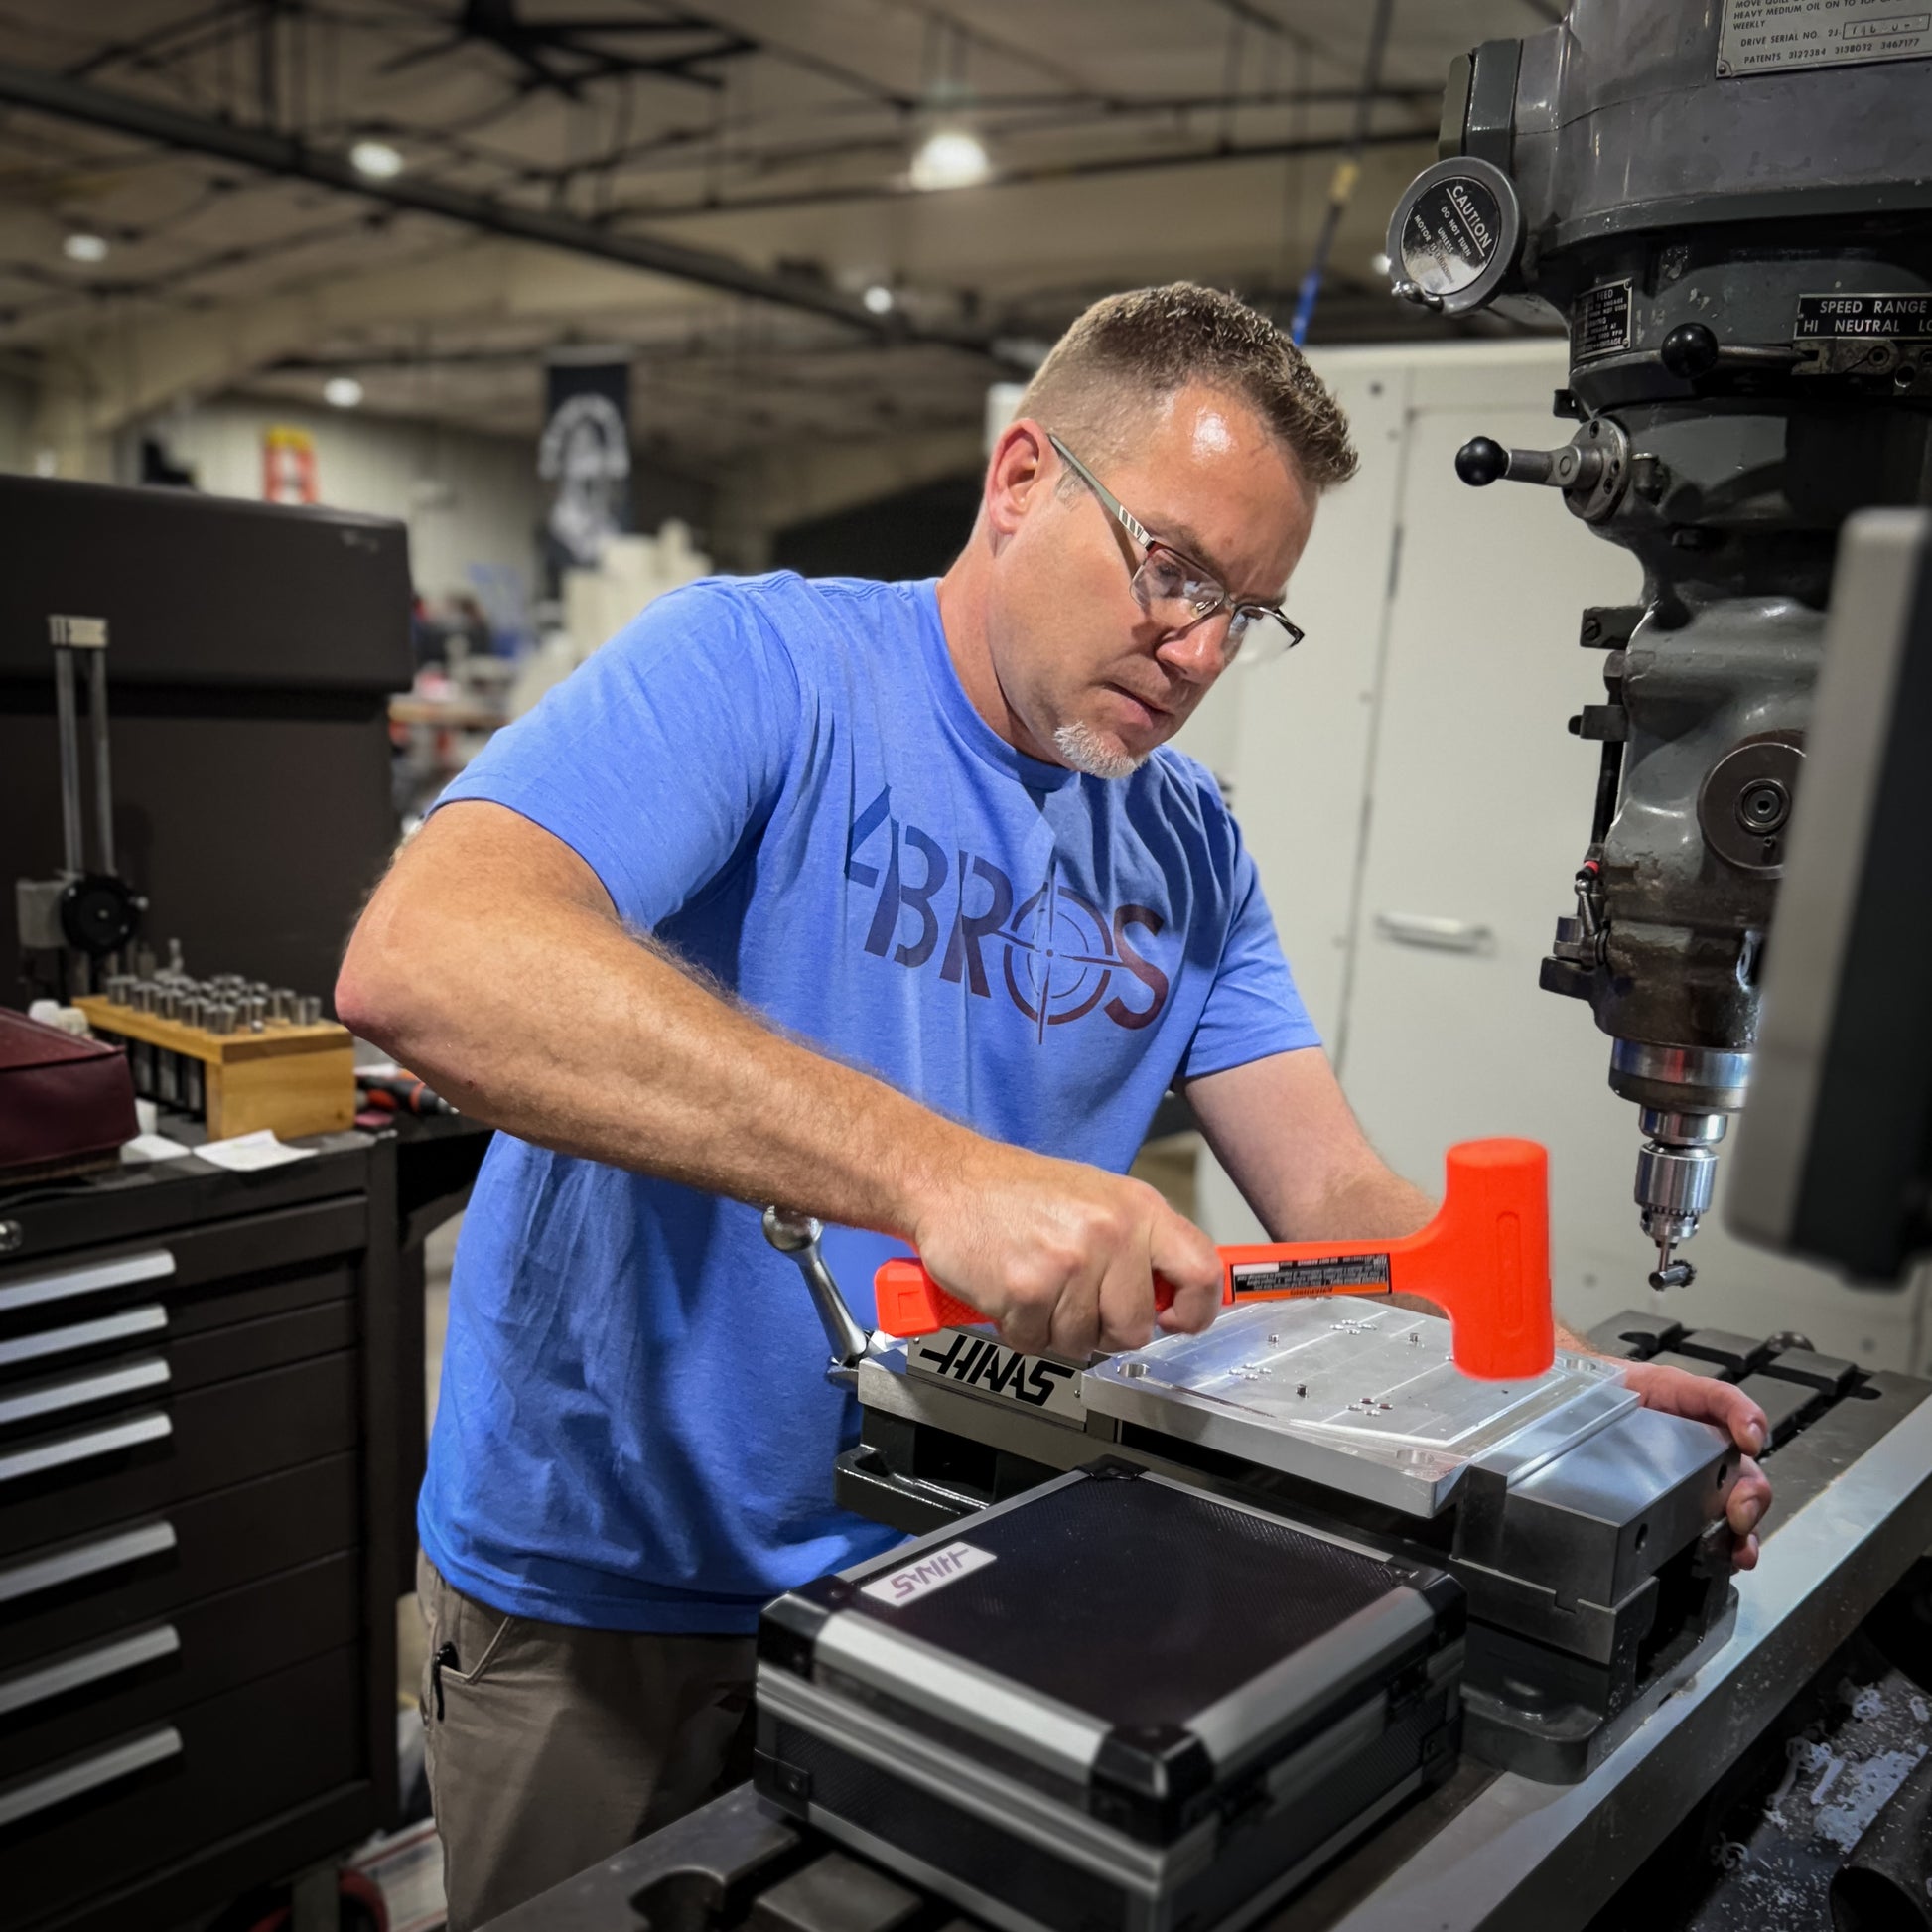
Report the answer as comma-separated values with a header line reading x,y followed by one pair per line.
x,y
61,1100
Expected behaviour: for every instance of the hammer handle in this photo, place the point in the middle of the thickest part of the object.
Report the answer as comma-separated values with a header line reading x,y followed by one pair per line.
x,y
911,1303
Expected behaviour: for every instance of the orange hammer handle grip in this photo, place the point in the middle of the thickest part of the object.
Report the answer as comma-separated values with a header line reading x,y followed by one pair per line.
x,y
911,1303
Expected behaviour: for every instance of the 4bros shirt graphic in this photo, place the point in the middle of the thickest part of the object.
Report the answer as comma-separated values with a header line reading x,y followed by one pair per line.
x,y
1057,956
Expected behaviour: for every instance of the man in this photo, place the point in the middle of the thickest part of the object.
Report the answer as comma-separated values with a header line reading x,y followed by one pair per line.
x,y
881,902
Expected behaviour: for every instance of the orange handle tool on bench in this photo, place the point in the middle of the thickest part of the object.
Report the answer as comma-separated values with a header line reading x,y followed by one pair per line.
x,y
1484,1261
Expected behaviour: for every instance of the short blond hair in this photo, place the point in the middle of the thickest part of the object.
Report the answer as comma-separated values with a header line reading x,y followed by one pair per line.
x,y
1135,350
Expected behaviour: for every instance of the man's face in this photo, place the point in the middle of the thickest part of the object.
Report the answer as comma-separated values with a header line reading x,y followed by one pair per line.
x,y
1071,644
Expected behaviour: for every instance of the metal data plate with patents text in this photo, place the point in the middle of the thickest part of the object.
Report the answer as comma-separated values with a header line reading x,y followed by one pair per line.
x,y
1365,1401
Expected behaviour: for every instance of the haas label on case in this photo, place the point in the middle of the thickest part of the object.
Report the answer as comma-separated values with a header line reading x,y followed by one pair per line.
x,y
933,1570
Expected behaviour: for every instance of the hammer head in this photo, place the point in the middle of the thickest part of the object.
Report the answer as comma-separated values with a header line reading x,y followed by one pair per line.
x,y
1485,1259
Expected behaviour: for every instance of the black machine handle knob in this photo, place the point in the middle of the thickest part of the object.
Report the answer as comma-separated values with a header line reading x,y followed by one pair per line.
x,y
1483,460
1689,350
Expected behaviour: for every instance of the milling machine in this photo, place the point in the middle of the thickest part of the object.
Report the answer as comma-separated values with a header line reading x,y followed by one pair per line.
x,y
1731,207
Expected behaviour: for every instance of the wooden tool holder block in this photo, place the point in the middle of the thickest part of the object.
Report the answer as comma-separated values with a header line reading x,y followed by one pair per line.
x,y
293,1079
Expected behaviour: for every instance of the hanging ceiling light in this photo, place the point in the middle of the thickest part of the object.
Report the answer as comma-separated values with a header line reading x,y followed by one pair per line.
x,y
84,248
376,159
950,157
341,392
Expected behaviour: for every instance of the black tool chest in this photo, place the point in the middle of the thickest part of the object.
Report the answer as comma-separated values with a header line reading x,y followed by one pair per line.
x,y
202,1510
1112,1704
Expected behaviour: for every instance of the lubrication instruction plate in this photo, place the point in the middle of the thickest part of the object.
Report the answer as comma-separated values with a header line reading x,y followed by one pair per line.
x,y
1766,35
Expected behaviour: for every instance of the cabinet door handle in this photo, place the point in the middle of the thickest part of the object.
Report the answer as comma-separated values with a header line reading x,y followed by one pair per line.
x,y
1444,935
149,1318
50,1398
18,1801
68,1566
64,1283
151,1426
65,1674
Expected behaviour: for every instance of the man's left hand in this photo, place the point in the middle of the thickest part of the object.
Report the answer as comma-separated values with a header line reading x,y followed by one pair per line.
x,y
1677,1391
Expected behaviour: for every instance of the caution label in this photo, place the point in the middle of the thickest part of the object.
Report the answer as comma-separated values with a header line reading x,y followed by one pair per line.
x,y
1452,234
1317,1275
1599,322
1768,36
1842,317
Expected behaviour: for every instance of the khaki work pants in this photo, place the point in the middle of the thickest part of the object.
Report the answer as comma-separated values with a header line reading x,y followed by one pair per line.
x,y
549,1748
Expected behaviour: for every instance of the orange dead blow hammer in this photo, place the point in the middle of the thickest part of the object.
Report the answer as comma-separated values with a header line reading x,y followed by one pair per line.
x,y
1484,1261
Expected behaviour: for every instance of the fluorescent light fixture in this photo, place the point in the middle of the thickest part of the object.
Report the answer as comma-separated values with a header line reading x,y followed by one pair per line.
x,y
84,248
950,157
376,159
878,299
341,392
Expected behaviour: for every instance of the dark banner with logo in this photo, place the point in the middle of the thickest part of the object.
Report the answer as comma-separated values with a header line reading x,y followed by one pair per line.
x,y
584,458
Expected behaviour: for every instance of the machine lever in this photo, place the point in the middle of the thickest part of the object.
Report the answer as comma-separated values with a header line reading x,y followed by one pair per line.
x,y
798,1237
1591,469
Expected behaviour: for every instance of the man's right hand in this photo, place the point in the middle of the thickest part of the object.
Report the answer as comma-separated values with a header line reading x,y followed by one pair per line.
x,y
1062,1256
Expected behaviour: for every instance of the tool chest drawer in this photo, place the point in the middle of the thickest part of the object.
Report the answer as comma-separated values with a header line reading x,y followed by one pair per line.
x,y
44,1340
183,1262
156,1447
162,1365
110,1813
88,1693
133,1572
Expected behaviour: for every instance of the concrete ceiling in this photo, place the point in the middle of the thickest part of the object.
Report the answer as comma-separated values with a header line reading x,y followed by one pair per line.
x,y
1130,141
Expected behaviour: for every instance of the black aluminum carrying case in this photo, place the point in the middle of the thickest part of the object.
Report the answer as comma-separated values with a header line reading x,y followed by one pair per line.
x,y
1115,1704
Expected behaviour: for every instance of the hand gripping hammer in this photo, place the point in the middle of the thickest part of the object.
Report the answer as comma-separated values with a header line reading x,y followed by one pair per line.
x,y
1484,1261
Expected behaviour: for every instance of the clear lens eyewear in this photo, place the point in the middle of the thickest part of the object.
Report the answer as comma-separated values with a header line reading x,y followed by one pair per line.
x,y
1179,594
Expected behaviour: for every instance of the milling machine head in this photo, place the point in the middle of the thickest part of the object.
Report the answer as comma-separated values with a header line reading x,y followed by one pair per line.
x,y
1737,231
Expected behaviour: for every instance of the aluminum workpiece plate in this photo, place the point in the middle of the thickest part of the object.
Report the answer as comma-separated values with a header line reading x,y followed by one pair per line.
x,y
1365,1401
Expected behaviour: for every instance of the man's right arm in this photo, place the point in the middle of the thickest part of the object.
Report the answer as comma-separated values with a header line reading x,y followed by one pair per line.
x,y
491,962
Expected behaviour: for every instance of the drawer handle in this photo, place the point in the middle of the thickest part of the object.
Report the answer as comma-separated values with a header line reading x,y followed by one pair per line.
x,y
68,1566
50,1398
1444,935
146,1319
89,1666
64,1283
151,1426
18,1801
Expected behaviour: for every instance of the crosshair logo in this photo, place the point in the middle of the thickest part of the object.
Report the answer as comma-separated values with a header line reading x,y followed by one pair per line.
x,y
1059,956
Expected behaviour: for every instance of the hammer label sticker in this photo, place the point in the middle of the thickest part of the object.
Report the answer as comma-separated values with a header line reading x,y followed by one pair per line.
x,y
1320,1275
1600,321
974,1363
933,1570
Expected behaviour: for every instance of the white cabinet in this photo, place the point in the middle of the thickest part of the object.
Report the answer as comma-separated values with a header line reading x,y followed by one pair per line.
x,y
1406,780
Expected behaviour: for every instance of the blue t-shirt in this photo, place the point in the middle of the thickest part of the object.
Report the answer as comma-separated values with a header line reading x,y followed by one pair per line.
x,y
784,782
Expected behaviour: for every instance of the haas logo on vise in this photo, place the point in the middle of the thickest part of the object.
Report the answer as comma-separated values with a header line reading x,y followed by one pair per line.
x,y
1058,956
